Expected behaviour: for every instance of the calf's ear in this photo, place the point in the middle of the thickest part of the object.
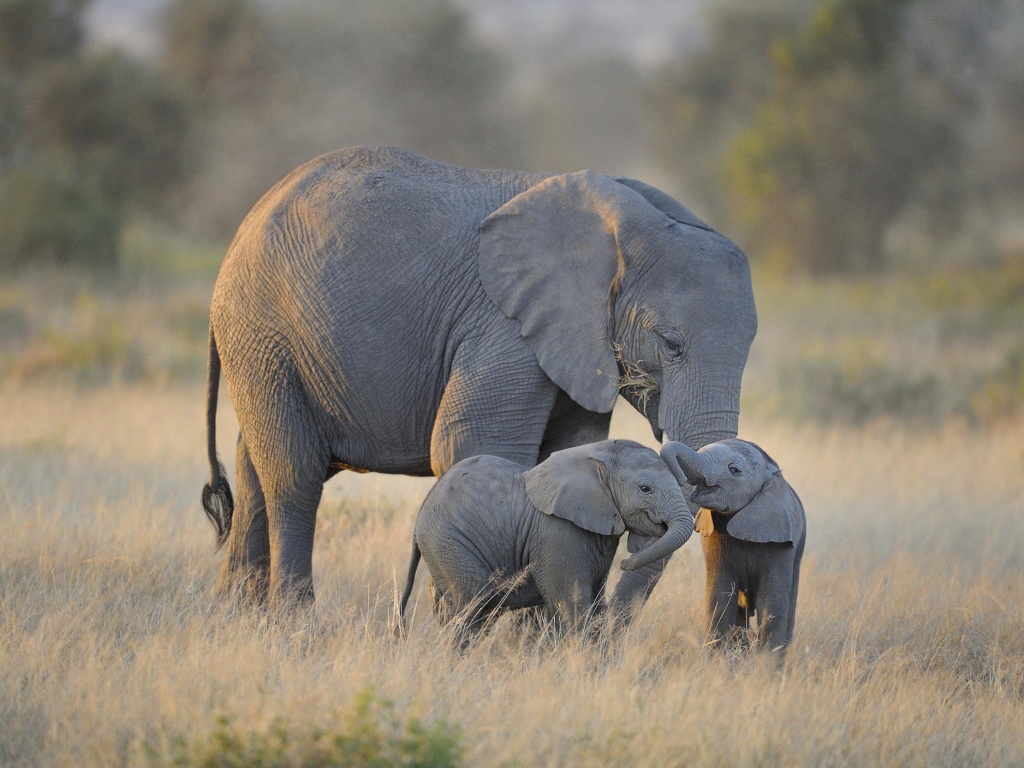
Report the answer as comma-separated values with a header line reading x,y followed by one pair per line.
x,y
573,485
775,514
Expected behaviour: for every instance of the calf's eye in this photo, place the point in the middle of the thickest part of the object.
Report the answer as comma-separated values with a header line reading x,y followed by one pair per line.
x,y
734,470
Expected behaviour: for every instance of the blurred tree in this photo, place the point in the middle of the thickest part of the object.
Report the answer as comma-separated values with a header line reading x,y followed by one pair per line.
x,y
50,213
10,120
85,138
36,32
441,84
583,114
408,73
219,50
810,133
33,34
115,121
698,108
966,59
839,145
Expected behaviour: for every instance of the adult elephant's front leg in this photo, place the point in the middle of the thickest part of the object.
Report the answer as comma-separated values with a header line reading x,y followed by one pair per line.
x,y
497,402
570,424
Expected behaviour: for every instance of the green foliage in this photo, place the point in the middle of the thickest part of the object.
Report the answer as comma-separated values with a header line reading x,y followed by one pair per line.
x,y
856,385
862,34
824,168
85,139
370,735
701,106
840,145
219,50
811,130
93,346
116,121
36,32
51,214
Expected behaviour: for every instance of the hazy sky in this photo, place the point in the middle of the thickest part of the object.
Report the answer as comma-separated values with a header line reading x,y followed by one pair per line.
x,y
530,31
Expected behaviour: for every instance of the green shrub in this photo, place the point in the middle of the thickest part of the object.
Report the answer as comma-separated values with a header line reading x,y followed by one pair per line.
x,y
93,345
858,386
1001,393
47,215
369,735
853,384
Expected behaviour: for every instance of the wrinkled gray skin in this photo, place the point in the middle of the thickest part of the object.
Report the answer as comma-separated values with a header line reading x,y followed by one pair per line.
x,y
379,311
488,519
758,538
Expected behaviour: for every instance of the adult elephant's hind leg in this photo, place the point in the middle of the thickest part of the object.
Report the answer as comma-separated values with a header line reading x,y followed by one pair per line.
x,y
246,570
292,463
291,520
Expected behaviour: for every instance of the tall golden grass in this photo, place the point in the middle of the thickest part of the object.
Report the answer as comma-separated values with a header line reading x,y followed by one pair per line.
x,y
909,646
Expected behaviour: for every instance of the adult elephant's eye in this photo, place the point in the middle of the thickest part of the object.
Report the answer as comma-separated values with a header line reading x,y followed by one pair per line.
x,y
734,470
645,488
673,343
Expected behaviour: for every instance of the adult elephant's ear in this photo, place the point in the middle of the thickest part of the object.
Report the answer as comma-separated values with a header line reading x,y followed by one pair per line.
x,y
665,203
573,485
773,515
551,259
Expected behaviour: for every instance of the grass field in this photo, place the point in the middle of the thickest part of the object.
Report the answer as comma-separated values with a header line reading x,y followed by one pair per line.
x,y
909,645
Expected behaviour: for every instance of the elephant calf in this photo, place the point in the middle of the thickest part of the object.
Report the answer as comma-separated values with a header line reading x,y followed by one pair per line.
x,y
499,536
753,529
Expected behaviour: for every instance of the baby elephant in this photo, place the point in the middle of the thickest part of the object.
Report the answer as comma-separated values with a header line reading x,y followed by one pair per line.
x,y
753,529
499,536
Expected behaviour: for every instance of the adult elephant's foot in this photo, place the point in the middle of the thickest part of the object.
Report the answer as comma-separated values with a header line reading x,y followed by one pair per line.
x,y
291,595
247,587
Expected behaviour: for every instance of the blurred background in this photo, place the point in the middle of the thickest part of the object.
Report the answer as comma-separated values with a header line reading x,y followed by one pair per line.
x,y
868,155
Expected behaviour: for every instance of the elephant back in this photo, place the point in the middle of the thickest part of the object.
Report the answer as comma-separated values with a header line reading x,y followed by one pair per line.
x,y
481,499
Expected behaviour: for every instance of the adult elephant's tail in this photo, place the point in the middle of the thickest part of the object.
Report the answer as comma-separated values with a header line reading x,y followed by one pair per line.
x,y
414,562
217,500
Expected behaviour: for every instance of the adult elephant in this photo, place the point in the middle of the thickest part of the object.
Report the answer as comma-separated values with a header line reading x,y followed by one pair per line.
x,y
379,311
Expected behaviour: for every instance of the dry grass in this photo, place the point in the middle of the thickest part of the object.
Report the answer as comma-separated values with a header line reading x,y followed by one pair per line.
x,y
909,647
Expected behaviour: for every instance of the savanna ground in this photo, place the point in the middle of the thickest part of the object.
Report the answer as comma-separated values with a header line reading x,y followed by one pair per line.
x,y
894,407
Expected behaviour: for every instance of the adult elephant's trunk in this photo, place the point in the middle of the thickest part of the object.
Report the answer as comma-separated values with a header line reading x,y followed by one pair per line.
x,y
701,407
680,526
686,464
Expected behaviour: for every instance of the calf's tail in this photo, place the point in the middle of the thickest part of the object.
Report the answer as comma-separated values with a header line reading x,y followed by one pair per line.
x,y
410,579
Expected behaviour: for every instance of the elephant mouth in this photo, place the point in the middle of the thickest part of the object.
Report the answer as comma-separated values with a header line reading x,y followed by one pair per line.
x,y
702,492
656,529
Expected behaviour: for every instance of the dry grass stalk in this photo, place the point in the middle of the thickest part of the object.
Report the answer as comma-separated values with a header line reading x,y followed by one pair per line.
x,y
910,632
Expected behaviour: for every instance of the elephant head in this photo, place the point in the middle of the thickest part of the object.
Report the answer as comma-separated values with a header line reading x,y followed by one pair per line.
x,y
610,487
738,478
617,287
